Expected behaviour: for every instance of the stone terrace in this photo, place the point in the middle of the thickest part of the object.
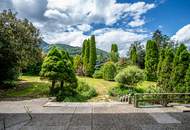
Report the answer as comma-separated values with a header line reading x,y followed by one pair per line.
x,y
89,116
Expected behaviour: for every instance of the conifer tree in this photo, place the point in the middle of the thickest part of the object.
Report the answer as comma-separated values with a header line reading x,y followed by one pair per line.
x,y
179,71
57,66
179,50
166,70
114,48
133,55
86,65
114,55
161,58
83,48
151,60
187,80
92,56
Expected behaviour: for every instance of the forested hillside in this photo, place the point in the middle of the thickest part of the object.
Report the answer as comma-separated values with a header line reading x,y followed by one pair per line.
x,y
70,49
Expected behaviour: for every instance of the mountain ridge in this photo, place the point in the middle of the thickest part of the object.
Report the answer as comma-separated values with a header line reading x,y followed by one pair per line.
x,y
72,50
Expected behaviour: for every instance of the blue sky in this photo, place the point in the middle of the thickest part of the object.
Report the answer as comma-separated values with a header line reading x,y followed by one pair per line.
x,y
111,21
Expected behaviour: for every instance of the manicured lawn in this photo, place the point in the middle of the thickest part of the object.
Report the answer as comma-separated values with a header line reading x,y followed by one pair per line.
x,y
33,86
101,86
29,86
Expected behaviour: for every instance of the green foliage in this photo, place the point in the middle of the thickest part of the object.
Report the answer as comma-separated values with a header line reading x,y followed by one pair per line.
x,y
57,66
123,90
139,50
100,59
114,55
179,50
114,48
78,65
166,70
161,58
83,93
93,57
34,68
118,91
18,39
85,90
187,80
130,75
98,74
86,65
52,67
151,60
109,71
83,48
121,64
31,89
161,40
179,71
89,56
133,55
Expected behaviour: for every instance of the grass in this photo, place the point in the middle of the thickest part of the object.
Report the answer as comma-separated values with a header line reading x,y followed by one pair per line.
x,y
102,87
33,86
28,86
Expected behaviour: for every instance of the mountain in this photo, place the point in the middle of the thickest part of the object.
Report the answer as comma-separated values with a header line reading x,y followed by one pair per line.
x,y
70,49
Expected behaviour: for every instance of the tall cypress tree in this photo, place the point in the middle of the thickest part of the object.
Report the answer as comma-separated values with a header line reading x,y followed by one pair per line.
x,y
86,65
151,60
114,48
133,55
83,48
179,71
161,58
179,50
93,50
187,80
114,55
92,57
166,70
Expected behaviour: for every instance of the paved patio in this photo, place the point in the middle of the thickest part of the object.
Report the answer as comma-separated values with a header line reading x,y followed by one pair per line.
x,y
89,116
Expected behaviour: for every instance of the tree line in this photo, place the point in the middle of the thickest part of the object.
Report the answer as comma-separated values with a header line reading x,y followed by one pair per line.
x,y
165,62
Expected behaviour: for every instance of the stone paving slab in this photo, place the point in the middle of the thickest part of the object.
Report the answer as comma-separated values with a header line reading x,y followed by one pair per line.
x,y
128,121
183,108
90,116
164,118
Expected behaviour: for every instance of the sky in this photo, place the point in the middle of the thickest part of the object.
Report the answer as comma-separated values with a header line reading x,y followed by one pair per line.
x,y
111,21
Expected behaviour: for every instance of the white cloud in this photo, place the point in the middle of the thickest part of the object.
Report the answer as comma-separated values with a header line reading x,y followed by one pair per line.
x,y
105,37
70,38
182,35
84,27
65,21
136,23
30,8
95,11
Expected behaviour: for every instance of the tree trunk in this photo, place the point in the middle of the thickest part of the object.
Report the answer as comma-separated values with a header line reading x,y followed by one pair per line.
x,y
61,85
52,86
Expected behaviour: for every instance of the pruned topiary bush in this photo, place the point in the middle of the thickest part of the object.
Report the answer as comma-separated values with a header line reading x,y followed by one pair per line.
x,y
130,75
109,71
